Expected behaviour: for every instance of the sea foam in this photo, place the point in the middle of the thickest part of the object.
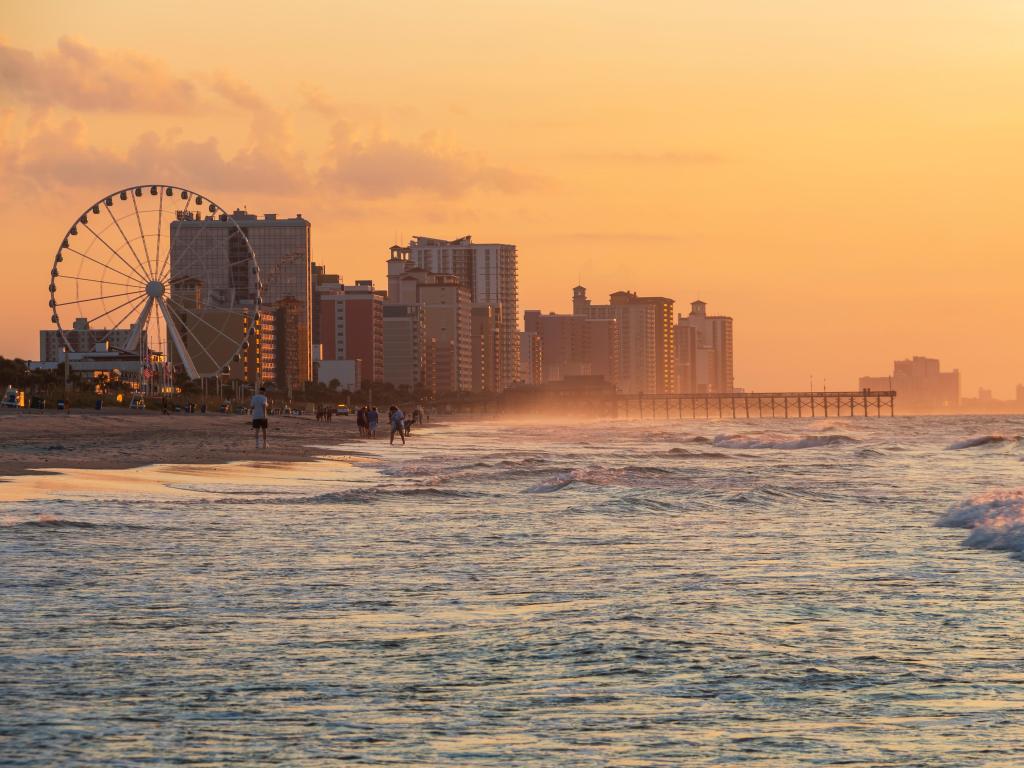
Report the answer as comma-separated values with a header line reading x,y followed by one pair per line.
x,y
995,519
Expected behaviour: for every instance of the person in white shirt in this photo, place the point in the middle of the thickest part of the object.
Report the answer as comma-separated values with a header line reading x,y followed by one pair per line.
x,y
258,405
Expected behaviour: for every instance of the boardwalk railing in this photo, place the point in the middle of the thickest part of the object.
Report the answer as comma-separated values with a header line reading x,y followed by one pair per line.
x,y
758,405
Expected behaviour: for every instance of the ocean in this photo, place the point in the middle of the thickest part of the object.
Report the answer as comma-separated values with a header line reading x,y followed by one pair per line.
x,y
657,593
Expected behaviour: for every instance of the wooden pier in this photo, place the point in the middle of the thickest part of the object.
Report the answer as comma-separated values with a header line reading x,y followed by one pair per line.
x,y
758,405
594,397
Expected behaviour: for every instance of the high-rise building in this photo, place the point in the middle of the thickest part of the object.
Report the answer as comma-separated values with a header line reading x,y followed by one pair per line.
x,y
704,351
405,345
489,271
601,347
486,340
531,358
920,384
646,338
211,248
256,365
686,358
321,280
575,345
352,326
447,313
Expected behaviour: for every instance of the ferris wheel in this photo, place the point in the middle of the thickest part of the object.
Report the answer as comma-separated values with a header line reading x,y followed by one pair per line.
x,y
159,272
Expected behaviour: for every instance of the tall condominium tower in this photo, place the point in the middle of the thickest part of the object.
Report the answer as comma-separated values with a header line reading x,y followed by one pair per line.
x,y
704,347
405,346
282,248
352,325
575,345
490,272
442,304
646,338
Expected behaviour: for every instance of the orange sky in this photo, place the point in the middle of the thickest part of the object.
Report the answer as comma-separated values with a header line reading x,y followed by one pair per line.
x,y
844,179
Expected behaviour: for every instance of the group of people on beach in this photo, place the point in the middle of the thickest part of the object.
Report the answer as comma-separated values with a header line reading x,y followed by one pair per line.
x,y
368,417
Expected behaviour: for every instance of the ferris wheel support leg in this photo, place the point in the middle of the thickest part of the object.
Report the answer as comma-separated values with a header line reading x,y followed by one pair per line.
x,y
179,344
140,323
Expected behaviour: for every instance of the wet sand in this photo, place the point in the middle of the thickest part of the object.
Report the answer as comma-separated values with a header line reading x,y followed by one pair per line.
x,y
37,442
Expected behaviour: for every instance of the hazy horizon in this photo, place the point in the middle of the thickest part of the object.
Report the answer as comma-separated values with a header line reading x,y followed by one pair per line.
x,y
839,179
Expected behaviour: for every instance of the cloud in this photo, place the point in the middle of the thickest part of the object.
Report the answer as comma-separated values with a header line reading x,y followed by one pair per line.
x,y
316,101
239,94
384,167
84,78
61,156
363,165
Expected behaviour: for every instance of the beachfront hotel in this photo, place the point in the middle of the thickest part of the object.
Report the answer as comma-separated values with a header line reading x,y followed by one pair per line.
x,y
351,325
209,251
647,357
573,345
704,356
490,272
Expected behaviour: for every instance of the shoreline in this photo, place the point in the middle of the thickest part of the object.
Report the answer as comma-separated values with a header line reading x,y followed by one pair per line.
x,y
43,443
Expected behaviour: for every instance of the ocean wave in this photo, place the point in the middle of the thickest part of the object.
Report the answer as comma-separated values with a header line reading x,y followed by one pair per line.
x,y
46,521
529,461
765,440
369,495
869,453
552,484
410,470
995,519
980,440
353,496
767,493
841,424
687,453
633,476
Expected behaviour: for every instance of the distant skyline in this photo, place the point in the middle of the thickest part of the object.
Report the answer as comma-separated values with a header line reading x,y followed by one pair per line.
x,y
842,179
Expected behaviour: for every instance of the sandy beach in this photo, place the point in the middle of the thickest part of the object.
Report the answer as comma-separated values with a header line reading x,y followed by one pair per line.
x,y
32,442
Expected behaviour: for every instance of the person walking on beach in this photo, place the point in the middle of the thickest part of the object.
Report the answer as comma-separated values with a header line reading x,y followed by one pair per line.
x,y
361,421
372,418
258,405
397,423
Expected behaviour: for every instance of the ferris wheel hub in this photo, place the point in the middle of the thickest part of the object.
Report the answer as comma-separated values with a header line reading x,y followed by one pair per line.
x,y
155,288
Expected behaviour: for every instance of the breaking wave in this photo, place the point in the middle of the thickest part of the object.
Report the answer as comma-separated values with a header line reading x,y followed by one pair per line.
x,y
975,442
995,520
785,442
